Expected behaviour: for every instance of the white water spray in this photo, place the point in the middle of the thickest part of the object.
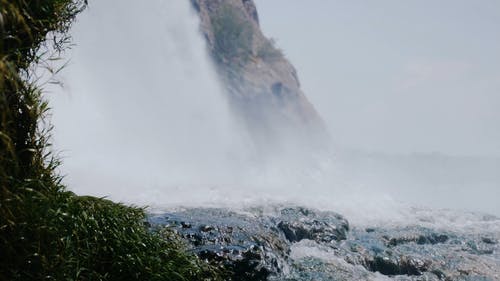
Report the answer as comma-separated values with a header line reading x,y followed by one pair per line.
x,y
143,120
143,109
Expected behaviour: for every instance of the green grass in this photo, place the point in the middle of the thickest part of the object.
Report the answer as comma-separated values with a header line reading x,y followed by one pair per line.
x,y
46,232
60,236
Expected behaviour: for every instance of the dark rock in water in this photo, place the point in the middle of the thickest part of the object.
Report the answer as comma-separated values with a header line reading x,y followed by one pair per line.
x,y
419,238
323,227
396,265
489,240
185,225
244,245
418,253
303,244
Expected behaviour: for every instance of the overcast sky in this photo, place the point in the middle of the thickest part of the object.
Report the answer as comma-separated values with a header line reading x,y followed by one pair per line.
x,y
397,76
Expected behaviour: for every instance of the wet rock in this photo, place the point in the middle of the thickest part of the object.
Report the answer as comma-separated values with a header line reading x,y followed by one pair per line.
x,y
396,266
489,240
427,238
418,253
206,228
479,247
370,229
324,227
433,238
295,243
244,245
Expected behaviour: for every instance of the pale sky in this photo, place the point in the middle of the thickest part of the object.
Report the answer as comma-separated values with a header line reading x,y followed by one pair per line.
x,y
397,76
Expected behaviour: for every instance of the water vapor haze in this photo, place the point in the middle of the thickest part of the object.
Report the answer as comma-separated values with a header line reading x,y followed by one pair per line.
x,y
143,119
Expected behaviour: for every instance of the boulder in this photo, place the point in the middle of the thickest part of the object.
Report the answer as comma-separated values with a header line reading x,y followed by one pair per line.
x,y
323,227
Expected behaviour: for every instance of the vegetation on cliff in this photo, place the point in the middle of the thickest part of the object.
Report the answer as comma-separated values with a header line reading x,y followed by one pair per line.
x,y
233,36
46,232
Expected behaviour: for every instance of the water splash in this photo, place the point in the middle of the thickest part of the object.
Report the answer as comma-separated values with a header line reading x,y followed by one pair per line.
x,y
144,120
144,108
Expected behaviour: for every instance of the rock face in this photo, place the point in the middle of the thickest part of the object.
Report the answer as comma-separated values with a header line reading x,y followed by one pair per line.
x,y
297,243
262,85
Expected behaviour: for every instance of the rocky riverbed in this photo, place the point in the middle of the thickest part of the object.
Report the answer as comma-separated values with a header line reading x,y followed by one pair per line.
x,y
296,243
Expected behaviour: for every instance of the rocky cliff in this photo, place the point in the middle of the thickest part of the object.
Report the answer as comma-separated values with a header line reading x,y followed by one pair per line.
x,y
262,85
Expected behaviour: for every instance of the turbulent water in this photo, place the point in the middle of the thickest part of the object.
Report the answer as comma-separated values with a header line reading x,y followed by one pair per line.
x,y
143,119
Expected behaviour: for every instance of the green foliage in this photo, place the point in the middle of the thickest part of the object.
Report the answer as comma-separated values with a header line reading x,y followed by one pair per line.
x,y
233,36
24,26
108,241
47,233
26,170
68,237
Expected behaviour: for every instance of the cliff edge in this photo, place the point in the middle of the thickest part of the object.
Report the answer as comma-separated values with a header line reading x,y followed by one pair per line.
x,y
262,85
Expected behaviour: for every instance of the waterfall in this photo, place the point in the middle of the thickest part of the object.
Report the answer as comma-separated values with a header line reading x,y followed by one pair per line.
x,y
142,109
142,119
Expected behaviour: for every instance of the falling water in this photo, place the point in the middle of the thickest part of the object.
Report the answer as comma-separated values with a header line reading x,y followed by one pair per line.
x,y
142,108
143,119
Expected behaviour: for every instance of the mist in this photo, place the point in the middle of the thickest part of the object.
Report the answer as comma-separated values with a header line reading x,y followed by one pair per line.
x,y
141,110
397,77
409,92
143,119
